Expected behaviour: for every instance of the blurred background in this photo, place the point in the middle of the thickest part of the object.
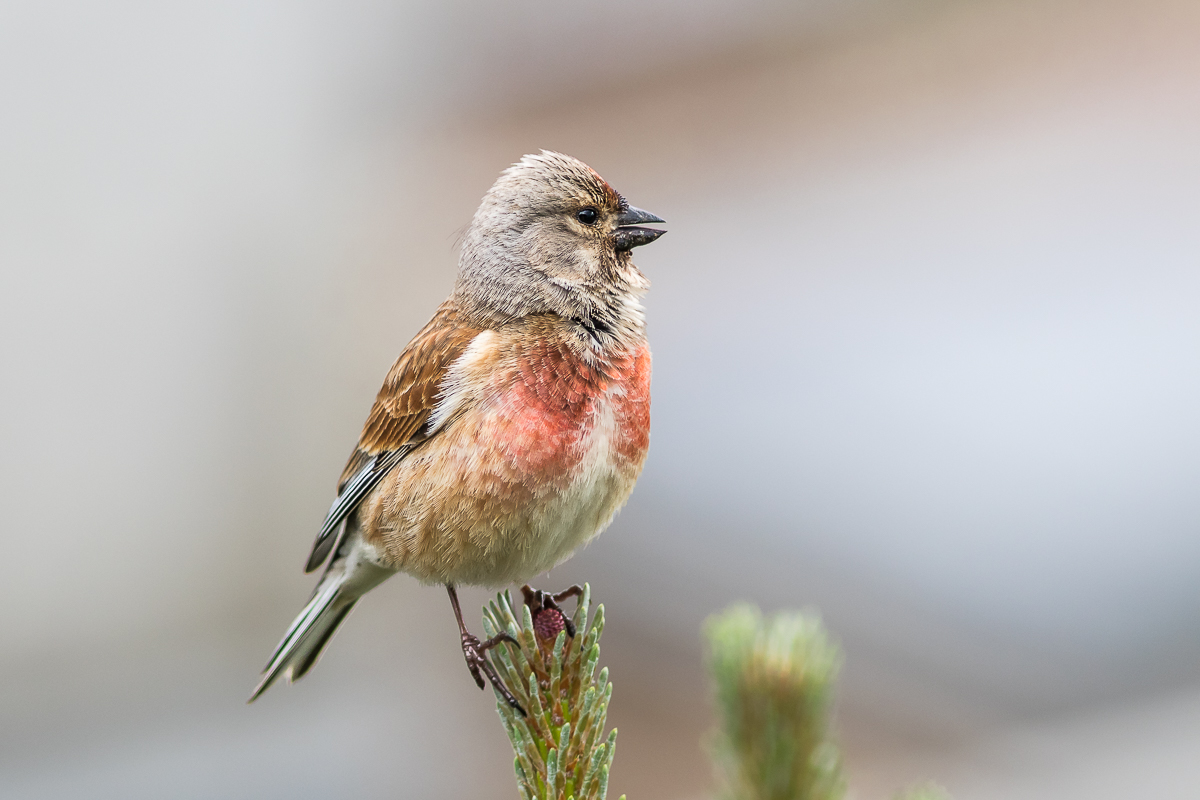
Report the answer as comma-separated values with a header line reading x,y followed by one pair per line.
x,y
925,330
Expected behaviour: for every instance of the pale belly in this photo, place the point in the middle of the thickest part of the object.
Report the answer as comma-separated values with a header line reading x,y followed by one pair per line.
x,y
513,487
570,513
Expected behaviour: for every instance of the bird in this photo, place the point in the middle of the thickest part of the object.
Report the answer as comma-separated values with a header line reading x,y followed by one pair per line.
x,y
514,425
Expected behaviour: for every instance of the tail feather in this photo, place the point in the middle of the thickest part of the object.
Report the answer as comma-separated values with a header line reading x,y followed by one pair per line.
x,y
347,579
304,659
308,635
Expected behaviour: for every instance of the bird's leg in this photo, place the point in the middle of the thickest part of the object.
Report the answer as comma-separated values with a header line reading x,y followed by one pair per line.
x,y
539,601
475,653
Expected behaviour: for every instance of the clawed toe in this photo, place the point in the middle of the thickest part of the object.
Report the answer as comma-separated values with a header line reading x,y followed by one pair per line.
x,y
475,652
474,656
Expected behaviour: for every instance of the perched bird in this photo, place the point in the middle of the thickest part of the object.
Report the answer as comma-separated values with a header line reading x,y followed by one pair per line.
x,y
513,426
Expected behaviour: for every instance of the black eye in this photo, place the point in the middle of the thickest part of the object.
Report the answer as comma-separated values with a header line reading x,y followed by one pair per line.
x,y
587,216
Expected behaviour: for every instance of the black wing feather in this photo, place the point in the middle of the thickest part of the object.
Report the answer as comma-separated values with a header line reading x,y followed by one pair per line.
x,y
348,498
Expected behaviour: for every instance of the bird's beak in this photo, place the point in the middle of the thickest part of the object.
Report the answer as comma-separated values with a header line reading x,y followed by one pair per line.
x,y
628,235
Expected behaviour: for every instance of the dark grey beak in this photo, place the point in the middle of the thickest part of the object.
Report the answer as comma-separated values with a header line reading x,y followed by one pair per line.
x,y
628,235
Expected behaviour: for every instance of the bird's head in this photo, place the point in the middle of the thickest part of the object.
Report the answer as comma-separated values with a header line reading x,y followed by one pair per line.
x,y
551,236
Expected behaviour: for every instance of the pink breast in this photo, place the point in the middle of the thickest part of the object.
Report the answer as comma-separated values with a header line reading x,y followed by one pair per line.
x,y
546,410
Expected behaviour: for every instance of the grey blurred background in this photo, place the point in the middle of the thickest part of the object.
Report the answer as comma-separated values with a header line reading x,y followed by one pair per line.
x,y
925,333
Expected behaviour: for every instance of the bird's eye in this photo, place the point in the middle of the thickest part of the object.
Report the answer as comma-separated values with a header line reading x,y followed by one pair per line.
x,y
587,216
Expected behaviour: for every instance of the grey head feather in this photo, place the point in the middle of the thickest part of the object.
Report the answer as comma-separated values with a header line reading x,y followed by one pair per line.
x,y
527,253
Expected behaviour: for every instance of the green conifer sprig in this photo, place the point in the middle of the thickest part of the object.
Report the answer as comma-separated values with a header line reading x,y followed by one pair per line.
x,y
560,747
774,680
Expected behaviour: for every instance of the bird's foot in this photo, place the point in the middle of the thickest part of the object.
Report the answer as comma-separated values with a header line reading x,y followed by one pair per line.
x,y
475,652
548,618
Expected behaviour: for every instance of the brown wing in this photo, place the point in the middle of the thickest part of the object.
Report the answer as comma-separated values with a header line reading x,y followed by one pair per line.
x,y
397,420
409,392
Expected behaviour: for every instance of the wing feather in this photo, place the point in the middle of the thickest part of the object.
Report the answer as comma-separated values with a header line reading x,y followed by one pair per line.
x,y
398,420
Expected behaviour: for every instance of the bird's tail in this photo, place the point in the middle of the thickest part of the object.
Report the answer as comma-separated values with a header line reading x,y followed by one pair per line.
x,y
340,588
